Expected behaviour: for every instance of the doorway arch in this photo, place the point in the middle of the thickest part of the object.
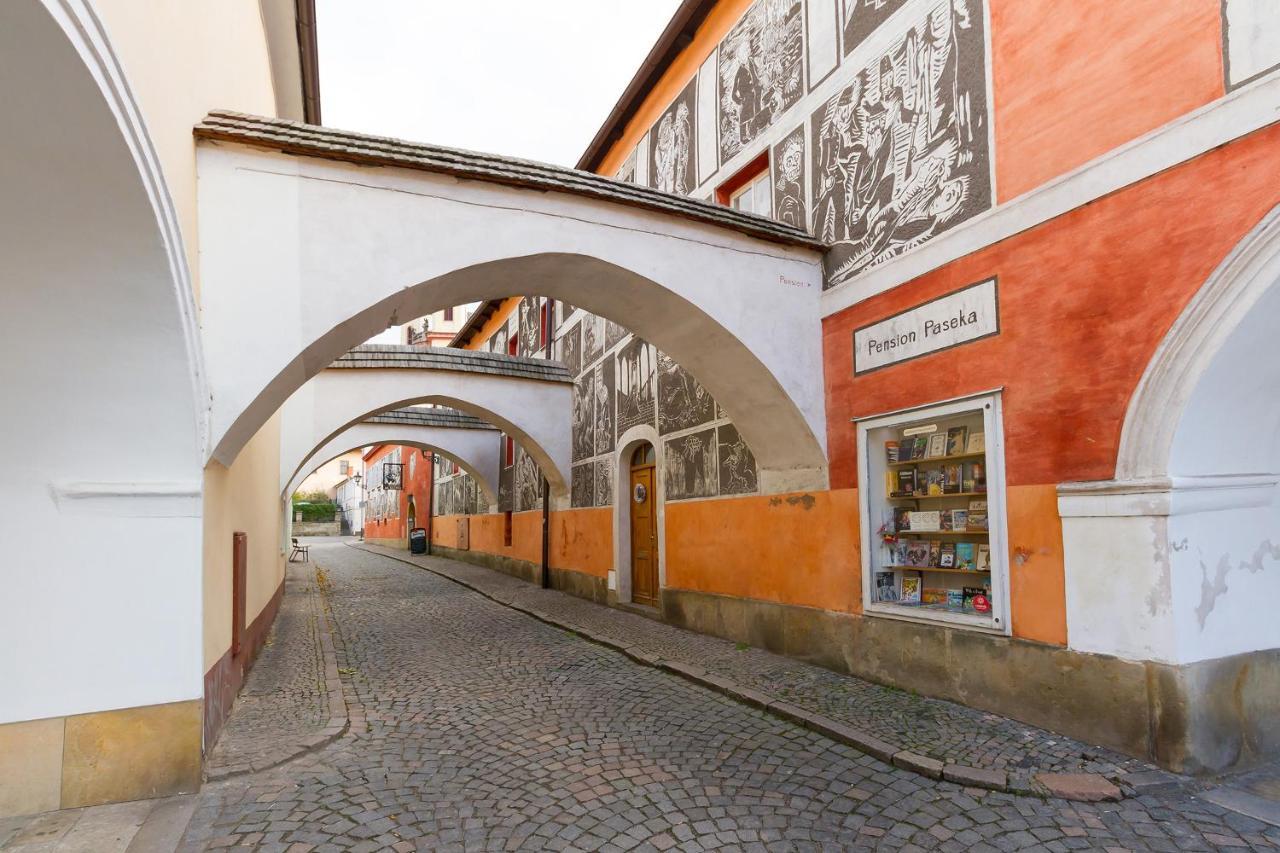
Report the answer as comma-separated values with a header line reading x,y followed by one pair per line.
x,y
632,441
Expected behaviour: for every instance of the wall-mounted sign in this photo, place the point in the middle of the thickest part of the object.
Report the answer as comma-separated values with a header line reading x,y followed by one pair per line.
x,y
957,318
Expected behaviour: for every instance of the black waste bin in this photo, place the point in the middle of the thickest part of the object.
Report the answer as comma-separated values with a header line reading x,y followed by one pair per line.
x,y
418,540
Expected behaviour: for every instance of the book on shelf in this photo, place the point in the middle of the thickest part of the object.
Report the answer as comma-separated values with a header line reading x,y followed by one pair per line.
x,y
911,588
944,519
886,586
901,519
933,481
982,557
959,519
937,445
965,555
899,552
919,444
891,451
927,520
976,443
947,559
933,595
956,437
978,472
906,483
951,478
917,553
977,519
935,551
977,598
955,598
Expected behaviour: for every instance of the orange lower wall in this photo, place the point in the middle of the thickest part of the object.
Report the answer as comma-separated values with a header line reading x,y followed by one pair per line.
x,y
581,539
793,549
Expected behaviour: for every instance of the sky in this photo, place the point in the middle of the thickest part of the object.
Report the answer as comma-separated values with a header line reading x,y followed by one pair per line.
x,y
525,78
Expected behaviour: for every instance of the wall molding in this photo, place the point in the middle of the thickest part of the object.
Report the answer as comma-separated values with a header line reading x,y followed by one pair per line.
x,y
1247,109
130,499
1165,496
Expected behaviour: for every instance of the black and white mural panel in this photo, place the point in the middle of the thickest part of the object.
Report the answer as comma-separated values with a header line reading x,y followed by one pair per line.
x,y
682,401
689,465
788,180
637,400
760,69
902,152
673,149
582,486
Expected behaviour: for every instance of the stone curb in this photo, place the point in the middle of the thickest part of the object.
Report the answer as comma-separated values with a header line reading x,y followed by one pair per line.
x,y
905,759
336,726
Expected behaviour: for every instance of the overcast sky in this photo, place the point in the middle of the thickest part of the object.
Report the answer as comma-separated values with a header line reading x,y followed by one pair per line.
x,y
528,78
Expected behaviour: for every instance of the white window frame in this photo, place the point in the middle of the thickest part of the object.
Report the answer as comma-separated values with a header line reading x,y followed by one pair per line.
x,y
750,187
997,519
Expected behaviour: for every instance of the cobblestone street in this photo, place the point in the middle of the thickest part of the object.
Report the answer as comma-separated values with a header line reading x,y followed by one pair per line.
x,y
474,726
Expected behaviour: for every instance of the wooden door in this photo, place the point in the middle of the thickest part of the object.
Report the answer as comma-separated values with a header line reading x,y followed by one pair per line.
x,y
644,537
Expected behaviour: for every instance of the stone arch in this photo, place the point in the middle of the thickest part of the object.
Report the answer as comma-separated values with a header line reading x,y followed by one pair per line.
x,y
534,412
1216,373
474,450
102,379
368,247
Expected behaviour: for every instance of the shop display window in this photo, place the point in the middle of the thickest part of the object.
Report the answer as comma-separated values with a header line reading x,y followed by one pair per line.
x,y
931,489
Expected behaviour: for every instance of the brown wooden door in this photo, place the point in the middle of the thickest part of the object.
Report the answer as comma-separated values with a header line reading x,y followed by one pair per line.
x,y
644,537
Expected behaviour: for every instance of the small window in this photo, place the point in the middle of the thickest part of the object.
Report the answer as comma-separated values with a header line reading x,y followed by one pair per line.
x,y
513,345
643,455
506,528
544,321
749,189
510,452
448,315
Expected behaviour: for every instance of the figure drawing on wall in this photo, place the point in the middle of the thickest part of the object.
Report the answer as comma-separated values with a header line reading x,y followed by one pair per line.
x,y
672,167
761,72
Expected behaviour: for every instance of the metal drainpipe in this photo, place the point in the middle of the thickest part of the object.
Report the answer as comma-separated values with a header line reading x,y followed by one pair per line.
x,y
431,502
548,317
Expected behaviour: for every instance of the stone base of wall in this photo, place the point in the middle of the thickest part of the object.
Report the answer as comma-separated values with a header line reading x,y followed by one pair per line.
x,y
1200,718
317,528
103,757
399,542
223,680
580,584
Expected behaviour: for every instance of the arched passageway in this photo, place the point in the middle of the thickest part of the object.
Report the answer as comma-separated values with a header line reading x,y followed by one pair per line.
x,y
732,298
102,385
526,398
474,449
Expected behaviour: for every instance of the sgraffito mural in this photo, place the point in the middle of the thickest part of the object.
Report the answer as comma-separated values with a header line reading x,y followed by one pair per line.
x,y
683,402
737,464
528,482
570,346
498,343
529,326
604,483
901,153
613,334
761,72
673,149
689,465
604,392
863,17
592,340
582,485
636,380
506,487
627,171
584,417
788,180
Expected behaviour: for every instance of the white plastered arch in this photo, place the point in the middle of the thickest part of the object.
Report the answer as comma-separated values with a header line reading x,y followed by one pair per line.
x,y
309,257
475,450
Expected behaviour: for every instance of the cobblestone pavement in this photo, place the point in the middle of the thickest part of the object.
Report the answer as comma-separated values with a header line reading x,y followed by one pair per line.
x,y
474,726
284,706
943,730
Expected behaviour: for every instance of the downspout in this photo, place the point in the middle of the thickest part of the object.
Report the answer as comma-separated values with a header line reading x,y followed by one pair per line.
x,y
431,502
549,318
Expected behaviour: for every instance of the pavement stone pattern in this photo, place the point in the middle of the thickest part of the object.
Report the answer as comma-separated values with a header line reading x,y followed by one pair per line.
x,y
476,727
292,699
932,728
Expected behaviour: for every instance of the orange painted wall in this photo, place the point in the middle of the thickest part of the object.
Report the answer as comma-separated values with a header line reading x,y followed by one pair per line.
x,y
1074,80
494,323
1084,301
794,549
417,483
581,539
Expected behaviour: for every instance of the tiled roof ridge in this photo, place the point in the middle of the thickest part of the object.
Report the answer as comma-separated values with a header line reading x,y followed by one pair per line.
x,y
448,358
442,417
298,138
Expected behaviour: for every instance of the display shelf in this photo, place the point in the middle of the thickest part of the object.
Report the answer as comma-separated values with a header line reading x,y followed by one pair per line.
x,y
942,533
936,569
929,460
920,497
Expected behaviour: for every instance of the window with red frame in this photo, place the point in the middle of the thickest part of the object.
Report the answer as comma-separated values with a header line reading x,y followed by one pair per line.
x,y
748,189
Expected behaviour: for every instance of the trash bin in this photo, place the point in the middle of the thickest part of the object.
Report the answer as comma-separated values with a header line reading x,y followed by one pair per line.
x,y
418,540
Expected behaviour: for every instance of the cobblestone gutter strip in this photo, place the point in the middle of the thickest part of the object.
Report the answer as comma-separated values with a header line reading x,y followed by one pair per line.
x,y
1077,786
273,746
